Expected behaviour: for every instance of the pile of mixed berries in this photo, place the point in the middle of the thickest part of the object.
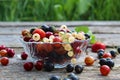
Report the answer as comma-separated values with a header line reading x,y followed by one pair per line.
x,y
60,45
105,58
5,54
55,45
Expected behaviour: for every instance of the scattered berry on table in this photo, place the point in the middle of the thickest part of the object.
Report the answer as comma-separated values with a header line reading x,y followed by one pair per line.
x,y
102,61
24,55
107,55
10,52
28,66
69,67
98,45
100,54
4,61
39,65
105,70
89,60
48,66
55,77
118,49
72,76
113,53
79,69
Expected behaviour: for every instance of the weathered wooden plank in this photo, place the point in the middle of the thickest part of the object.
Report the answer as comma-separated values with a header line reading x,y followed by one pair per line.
x,y
94,29
15,67
69,23
108,39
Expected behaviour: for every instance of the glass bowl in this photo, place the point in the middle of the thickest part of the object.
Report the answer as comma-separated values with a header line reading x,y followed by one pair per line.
x,y
58,53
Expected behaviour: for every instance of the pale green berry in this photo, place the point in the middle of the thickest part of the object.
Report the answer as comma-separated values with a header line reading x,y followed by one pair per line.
x,y
50,40
71,39
45,39
70,53
36,37
67,47
73,60
63,27
51,37
80,36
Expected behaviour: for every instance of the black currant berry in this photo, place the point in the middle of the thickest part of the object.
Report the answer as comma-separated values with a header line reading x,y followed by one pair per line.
x,y
100,55
54,77
66,79
31,30
69,68
110,63
48,66
51,28
113,53
102,61
79,68
45,28
87,36
72,76
118,49
100,50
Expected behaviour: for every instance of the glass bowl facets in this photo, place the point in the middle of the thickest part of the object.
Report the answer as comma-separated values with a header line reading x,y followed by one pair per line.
x,y
58,53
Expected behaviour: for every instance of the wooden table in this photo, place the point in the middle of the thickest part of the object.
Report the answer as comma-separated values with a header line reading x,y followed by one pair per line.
x,y
105,31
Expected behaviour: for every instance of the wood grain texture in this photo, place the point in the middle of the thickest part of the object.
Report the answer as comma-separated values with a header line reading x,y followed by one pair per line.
x,y
58,23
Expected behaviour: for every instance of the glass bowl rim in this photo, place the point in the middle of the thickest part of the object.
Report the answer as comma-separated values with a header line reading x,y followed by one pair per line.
x,y
53,42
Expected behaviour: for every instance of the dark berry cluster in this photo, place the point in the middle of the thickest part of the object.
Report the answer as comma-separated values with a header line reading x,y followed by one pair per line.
x,y
70,76
78,68
106,58
39,65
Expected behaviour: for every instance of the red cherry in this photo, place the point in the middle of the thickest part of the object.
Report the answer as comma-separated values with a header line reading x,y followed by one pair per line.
x,y
25,32
39,65
77,50
24,56
3,52
57,41
28,66
26,38
48,34
2,47
10,52
40,32
4,61
98,45
107,55
60,50
76,44
105,70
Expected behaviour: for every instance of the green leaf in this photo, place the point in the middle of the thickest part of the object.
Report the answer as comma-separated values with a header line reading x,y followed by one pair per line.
x,y
82,28
92,39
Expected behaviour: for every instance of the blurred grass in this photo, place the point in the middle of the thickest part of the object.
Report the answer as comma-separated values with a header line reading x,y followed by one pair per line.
x,y
59,10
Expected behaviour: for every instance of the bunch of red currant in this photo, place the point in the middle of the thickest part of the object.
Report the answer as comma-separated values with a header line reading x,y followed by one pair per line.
x,y
5,54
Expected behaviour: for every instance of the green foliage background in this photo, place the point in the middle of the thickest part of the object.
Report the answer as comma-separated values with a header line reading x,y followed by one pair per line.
x,y
59,10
